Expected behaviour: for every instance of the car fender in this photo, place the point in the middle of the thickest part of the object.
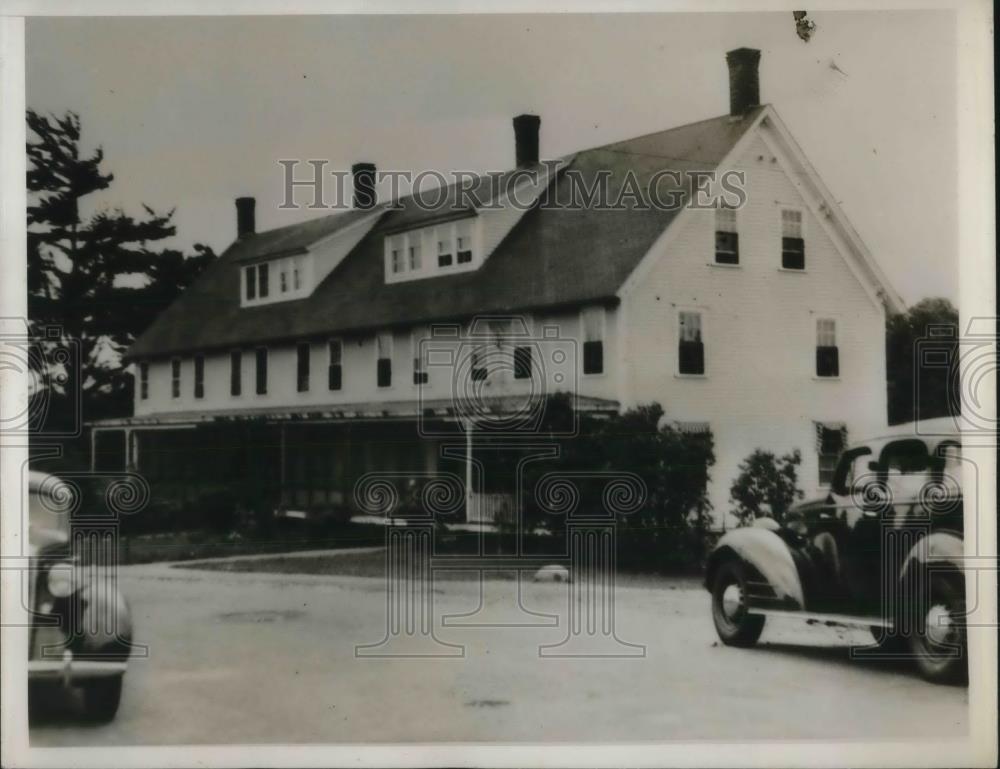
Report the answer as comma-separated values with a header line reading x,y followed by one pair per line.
x,y
105,618
766,552
942,550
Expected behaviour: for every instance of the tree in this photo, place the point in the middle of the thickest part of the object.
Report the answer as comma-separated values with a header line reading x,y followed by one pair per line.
x,y
919,385
766,485
96,279
667,530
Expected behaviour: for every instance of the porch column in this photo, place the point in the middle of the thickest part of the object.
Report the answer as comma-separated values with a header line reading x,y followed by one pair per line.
x,y
93,449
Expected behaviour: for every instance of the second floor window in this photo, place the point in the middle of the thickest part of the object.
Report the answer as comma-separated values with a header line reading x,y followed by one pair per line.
x,y
827,352
261,356
263,272
444,253
302,367
793,247
415,256
691,349
143,381
383,359
250,278
235,372
199,376
175,378
592,321
727,239
335,374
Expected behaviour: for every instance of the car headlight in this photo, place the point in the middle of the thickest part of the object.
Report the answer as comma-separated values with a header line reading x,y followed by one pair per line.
x,y
60,582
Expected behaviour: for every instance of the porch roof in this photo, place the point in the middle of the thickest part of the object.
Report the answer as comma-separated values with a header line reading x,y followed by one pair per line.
x,y
444,408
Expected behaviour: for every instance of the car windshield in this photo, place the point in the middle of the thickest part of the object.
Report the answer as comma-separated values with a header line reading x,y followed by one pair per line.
x,y
48,517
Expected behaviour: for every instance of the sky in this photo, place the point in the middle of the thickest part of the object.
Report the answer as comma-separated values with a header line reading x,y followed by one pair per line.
x,y
194,112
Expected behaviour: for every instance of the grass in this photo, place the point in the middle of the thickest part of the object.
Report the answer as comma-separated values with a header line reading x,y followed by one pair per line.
x,y
372,564
198,544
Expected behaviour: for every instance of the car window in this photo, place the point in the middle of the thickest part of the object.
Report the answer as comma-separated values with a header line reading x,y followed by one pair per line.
x,y
905,464
852,471
46,514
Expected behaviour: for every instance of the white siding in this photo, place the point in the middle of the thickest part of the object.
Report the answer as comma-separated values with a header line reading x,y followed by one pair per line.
x,y
759,330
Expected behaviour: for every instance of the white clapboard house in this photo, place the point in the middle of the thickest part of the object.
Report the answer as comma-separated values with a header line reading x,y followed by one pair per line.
x,y
300,360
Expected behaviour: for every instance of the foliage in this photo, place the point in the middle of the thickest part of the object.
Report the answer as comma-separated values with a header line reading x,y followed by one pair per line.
x,y
668,528
97,278
766,485
917,390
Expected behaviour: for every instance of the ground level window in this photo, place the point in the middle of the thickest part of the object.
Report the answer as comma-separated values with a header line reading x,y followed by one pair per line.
x,y
235,372
261,371
199,376
831,440
302,367
175,378
144,381
383,365
335,374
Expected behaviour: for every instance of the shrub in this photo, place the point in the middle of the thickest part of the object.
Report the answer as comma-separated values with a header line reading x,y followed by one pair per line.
x,y
766,485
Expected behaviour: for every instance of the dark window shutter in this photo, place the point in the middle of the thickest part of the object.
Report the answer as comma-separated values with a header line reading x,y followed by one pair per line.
x,y
419,377
827,361
384,372
727,247
593,357
235,372
334,376
302,367
522,363
199,376
793,253
262,371
691,358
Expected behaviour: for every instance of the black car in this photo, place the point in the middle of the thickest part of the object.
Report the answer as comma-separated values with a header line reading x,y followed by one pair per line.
x,y
882,550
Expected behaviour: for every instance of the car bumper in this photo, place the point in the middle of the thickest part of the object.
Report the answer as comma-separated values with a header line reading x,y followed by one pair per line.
x,y
70,671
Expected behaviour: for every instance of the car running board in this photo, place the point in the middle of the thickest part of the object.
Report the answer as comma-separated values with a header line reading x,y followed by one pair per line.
x,y
821,618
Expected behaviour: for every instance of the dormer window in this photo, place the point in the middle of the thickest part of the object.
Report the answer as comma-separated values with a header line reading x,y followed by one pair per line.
x,y
397,260
463,243
414,254
444,253
250,278
262,280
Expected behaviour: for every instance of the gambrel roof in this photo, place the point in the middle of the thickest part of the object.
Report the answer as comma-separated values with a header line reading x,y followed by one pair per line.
x,y
553,257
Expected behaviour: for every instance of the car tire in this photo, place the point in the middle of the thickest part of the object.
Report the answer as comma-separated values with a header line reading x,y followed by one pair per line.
x,y
941,655
735,626
101,698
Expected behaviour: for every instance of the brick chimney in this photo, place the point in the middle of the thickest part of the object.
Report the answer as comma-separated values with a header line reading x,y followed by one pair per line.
x,y
245,219
526,139
364,185
744,83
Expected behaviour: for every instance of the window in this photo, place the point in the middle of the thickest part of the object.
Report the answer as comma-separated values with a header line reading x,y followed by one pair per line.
x,y
284,280
691,350
143,381
262,279
415,256
175,378
419,357
250,277
335,376
592,321
444,252
302,367
827,354
478,370
727,239
262,371
831,440
296,274
383,352
522,362
236,372
793,247
396,256
199,376
463,243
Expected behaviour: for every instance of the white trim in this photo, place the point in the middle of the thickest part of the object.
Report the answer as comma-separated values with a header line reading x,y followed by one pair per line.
x,y
842,233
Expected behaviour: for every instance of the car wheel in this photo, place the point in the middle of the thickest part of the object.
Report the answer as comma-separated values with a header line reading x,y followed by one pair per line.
x,y
939,643
101,698
734,624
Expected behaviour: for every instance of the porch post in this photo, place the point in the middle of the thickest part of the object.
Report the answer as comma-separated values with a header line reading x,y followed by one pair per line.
x,y
93,449
281,462
468,468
